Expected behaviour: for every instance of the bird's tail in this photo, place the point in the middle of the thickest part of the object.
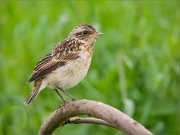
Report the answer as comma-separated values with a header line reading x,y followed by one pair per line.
x,y
36,89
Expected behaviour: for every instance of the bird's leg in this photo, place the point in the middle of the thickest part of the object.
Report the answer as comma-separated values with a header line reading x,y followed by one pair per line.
x,y
69,95
64,101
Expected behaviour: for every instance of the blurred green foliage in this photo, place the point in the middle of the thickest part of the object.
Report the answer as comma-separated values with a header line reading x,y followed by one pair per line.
x,y
135,67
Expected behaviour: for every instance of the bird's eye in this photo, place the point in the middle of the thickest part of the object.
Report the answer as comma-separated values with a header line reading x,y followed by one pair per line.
x,y
85,32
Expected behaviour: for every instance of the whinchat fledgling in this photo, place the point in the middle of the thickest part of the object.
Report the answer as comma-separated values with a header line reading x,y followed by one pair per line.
x,y
67,64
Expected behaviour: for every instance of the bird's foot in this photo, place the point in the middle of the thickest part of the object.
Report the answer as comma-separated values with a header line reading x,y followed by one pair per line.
x,y
61,106
74,99
65,102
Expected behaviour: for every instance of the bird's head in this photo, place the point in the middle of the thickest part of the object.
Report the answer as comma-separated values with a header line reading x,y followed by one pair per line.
x,y
85,33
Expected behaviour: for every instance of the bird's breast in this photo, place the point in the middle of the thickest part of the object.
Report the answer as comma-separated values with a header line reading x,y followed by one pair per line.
x,y
70,74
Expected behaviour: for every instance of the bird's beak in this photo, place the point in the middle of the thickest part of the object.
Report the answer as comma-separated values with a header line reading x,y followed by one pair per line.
x,y
98,33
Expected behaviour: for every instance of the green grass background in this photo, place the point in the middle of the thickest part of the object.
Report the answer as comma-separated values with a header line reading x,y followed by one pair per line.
x,y
135,67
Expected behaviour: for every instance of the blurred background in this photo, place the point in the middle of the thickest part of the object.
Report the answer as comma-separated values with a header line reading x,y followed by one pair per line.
x,y
135,67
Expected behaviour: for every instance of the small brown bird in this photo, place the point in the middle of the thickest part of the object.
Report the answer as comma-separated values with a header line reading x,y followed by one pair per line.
x,y
67,64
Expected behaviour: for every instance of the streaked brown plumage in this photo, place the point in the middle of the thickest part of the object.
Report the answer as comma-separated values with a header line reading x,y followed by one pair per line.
x,y
67,64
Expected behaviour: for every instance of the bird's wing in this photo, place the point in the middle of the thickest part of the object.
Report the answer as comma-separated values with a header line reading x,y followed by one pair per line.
x,y
59,56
